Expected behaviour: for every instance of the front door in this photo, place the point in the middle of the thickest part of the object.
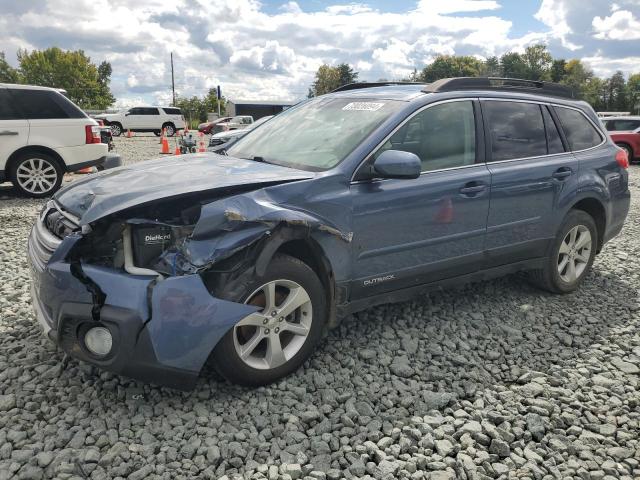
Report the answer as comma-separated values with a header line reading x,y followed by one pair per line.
x,y
411,232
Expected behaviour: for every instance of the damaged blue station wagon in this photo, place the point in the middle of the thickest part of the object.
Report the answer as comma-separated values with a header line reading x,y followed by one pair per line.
x,y
373,193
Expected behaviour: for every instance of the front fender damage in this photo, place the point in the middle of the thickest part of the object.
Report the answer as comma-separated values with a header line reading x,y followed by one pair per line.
x,y
179,317
231,225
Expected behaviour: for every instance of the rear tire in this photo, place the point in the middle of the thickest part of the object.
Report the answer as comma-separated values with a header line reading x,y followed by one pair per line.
x,y
36,175
169,129
627,149
571,255
116,129
274,342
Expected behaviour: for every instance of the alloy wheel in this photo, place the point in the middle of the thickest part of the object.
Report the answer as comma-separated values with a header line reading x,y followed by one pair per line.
x,y
36,176
574,253
116,130
272,336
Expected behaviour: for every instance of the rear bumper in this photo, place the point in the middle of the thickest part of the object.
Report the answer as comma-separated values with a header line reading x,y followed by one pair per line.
x,y
80,156
91,163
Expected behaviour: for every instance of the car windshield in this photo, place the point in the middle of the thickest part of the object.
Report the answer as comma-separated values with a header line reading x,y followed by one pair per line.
x,y
317,134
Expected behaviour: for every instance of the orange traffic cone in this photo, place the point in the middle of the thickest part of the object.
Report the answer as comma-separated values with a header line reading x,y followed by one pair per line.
x,y
201,146
165,147
177,150
129,134
162,135
85,170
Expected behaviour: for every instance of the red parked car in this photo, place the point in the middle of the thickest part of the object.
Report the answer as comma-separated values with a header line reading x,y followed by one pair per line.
x,y
207,126
625,132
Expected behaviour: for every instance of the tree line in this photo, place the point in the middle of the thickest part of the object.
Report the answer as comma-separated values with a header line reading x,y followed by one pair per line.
x,y
615,93
86,83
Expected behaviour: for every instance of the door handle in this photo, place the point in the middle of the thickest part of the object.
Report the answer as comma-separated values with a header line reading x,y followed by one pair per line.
x,y
562,173
472,188
8,132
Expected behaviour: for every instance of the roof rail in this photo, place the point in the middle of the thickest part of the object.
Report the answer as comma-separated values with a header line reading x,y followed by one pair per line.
x,y
358,85
503,84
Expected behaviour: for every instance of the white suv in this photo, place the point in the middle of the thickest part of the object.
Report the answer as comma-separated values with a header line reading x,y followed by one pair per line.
x,y
144,119
43,135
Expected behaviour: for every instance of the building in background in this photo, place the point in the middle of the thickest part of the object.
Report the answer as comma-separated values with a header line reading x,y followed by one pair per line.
x,y
256,108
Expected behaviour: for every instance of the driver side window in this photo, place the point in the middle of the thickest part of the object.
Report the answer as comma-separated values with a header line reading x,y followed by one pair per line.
x,y
442,136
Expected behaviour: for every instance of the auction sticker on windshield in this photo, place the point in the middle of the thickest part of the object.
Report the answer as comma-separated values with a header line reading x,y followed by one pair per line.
x,y
363,106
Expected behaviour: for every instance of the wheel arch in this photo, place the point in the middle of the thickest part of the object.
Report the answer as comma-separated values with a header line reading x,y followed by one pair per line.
x,y
308,251
34,149
595,208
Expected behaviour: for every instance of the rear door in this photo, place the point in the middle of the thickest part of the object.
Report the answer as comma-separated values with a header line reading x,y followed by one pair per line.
x,y
414,231
532,175
150,118
14,130
54,121
174,115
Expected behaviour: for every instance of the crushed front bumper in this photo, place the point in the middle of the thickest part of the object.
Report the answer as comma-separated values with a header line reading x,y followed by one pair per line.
x,y
163,331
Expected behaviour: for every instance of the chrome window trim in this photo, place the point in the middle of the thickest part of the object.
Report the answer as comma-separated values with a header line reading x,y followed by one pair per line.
x,y
537,102
399,126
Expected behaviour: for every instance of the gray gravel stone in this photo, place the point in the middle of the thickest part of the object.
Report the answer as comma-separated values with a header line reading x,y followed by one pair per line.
x,y
495,379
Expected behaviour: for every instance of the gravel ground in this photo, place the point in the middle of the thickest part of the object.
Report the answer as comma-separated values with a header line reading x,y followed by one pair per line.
x,y
494,380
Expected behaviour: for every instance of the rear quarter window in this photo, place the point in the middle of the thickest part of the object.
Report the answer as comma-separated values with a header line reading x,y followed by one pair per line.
x,y
580,132
44,104
172,111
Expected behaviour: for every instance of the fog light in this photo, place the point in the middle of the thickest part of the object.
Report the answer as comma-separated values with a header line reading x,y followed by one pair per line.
x,y
98,341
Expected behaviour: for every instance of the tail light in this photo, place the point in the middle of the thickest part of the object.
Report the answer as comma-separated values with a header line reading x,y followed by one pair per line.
x,y
622,158
92,134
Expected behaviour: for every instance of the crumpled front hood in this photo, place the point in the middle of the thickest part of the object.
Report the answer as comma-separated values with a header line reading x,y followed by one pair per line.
x,y
117,189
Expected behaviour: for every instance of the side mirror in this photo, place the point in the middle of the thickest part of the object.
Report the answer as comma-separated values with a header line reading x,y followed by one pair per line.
x,y
397,164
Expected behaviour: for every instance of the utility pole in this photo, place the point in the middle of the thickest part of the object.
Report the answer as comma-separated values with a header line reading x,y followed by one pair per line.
x,y
173,83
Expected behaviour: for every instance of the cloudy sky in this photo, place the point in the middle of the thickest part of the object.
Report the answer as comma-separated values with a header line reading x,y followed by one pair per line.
x,y
270,49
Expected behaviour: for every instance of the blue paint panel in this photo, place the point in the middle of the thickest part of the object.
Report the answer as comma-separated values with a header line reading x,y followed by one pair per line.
x,y
188,322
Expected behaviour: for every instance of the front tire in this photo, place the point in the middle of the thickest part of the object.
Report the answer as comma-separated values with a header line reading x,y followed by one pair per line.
x,y
276,340
36,175
572,254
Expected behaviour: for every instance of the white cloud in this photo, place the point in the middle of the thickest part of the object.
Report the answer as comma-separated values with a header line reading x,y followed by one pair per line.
x,y
621,25
255,54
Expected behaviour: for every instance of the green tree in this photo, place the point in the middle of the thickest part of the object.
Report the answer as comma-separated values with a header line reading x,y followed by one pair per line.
x,y
513,65
447,66
8,74
558,70
329,78
577,76
617,92
538,62
211,102
86,84
633,93
491,67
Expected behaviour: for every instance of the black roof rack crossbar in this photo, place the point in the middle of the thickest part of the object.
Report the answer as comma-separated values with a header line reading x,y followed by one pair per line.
x,y
358,85
504,84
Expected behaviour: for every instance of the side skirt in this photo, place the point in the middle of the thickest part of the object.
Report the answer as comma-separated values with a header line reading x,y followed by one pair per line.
x,y
412,292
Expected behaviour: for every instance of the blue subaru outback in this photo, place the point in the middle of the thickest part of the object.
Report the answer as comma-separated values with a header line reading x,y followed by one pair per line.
x,y
371,194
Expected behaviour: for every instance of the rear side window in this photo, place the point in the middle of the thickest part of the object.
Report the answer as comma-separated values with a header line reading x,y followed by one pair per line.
x,y
44,104
622,125
7,109
443,136
554,142
172,111
580,132
516,130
